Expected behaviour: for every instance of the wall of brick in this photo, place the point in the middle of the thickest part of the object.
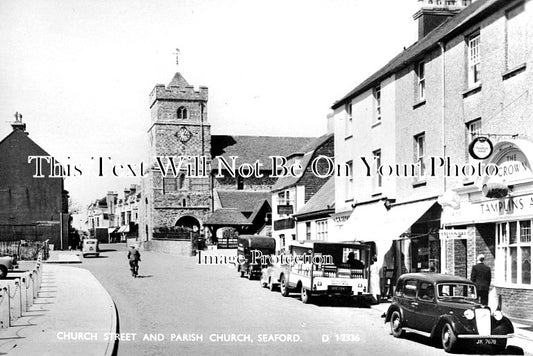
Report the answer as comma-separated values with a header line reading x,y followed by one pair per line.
x,y
516,302
176,247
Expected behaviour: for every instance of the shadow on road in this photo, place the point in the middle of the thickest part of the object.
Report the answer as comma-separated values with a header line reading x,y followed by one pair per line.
x,y
147,276
467,349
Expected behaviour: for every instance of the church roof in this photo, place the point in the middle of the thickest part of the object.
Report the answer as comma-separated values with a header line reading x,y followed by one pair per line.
x,y
227,217
245,201
249,149
178,81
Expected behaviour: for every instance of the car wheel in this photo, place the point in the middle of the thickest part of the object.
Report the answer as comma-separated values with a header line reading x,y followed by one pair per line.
x,y
500,346
262,282
448,338
284,289
271,285
396,324
3,272
305,295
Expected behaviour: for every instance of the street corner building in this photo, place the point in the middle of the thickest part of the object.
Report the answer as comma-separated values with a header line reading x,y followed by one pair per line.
x,y
207,198
467,77
31,209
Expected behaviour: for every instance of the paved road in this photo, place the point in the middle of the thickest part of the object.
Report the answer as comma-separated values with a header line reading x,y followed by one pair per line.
x,y
197,309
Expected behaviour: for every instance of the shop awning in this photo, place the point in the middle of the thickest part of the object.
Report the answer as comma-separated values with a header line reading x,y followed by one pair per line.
x,y
373,222
111,229
124,229
401,217
363,223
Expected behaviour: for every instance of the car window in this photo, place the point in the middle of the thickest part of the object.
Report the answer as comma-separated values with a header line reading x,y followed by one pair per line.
x,y
399,288
426,291
409,289
457,290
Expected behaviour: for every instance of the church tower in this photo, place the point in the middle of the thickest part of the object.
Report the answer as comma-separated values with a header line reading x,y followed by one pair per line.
x,y
178,128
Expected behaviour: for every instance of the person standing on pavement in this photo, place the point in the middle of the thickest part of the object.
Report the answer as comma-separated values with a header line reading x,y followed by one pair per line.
x,y
134,256
375,287
481,276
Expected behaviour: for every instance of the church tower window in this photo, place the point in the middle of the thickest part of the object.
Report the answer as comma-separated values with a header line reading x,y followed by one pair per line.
x,y
182,113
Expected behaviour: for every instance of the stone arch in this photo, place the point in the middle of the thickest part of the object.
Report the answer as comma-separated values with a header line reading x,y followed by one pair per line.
x,y
188,221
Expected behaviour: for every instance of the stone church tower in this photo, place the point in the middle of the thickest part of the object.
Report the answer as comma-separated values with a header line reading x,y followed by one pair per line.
x,y
178,127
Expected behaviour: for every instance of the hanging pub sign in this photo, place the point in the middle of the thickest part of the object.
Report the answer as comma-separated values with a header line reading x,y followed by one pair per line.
x,y
480,148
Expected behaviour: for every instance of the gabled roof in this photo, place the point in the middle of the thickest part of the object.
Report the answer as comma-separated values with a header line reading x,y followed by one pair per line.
x,y
309,149
323,200
21,135
249,149
443,32
227,217
242,200
178,81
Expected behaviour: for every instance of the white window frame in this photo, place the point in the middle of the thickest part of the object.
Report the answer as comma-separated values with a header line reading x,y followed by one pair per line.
x,y
420,148
349,120
421,80
377,102
349,181
504,244
473,129
474,59
322,230
378,179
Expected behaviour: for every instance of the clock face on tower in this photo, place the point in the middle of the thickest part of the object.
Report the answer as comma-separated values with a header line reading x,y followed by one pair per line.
x,y
183,134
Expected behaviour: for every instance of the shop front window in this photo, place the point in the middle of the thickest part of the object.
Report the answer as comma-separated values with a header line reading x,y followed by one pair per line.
x,y
513,252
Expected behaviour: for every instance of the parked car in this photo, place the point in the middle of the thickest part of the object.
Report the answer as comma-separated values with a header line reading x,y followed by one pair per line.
x,y
7,263
90,247
247,246
445,308
315,276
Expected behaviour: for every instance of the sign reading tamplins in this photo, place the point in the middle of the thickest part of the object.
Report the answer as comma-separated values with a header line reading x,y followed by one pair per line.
x,y
480,148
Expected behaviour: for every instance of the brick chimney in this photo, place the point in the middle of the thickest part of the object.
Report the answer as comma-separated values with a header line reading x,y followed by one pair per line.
x,y
18,124
432,13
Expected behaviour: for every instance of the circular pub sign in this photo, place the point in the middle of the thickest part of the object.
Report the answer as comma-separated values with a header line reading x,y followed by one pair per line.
x,y
480,148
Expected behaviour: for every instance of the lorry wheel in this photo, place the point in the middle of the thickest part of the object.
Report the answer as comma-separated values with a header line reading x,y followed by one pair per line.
x,y
271,285
305,295
3,272
283,288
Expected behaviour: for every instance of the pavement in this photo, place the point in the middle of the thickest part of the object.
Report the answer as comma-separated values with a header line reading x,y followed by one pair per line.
x,y
523,330
64,257
73,315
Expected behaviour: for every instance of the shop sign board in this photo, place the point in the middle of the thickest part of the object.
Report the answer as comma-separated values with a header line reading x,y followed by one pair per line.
x,y
456,234
490,210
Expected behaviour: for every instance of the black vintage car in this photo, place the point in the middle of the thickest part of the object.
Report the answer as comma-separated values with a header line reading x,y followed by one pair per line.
x,y
445,308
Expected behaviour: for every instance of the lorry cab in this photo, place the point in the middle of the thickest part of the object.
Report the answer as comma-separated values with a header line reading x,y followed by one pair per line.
x,y
90,247
251,247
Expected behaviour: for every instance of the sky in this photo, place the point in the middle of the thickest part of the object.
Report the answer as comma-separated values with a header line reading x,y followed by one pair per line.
x,y
80,71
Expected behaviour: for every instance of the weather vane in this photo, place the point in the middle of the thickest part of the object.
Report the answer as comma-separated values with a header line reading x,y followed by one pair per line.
x,y
177,53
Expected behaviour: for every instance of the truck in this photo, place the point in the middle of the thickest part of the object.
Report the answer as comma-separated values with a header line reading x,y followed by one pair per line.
x,y
319,268
250,246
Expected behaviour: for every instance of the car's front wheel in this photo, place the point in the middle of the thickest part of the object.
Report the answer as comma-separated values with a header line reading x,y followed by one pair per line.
x,y
396,324
448,338
3,272
283,288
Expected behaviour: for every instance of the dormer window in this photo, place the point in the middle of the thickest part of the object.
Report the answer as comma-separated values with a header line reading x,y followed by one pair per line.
x,y
182,113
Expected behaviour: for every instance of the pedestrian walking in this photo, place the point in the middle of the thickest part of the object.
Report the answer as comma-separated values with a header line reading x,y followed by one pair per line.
x,y
481,276
134,257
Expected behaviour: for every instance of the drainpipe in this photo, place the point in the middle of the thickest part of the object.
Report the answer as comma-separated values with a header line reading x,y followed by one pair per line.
x,y
443,122
443,107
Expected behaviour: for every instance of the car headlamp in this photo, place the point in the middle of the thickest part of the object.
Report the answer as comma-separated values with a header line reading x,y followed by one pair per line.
x,y
498,315
469,314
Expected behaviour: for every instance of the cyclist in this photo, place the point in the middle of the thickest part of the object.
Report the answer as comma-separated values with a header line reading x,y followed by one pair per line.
x,y
134,257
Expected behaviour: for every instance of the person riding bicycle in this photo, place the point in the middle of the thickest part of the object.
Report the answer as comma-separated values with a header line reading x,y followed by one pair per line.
x,y
134,257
